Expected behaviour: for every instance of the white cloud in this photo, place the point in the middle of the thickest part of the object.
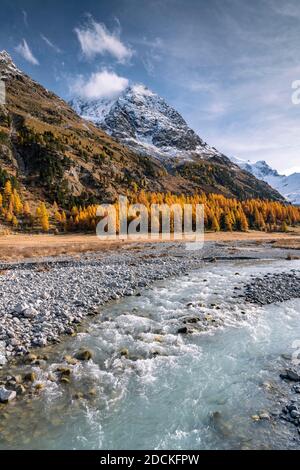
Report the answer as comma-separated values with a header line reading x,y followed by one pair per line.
x,y
95,39
104,84
24,50
50,44
294,169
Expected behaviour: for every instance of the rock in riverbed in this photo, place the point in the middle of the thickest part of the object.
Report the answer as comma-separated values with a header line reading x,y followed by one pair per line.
x,y
183,331
30,377
291,375
20,308
84,355
7,395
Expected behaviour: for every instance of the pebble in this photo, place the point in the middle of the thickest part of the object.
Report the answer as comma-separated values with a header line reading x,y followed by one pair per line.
x,y
30,377
7,396
84,355
183,331
20,390
265,416
295,414
291,375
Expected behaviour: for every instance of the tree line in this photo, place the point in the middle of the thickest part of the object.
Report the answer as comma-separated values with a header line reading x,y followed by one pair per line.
x,y
220,213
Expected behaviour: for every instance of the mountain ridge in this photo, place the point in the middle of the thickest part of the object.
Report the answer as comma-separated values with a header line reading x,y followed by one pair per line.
x,y
55,155
288,186
143,120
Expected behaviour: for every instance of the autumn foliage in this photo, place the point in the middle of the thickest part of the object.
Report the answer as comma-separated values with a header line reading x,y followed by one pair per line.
x,y
220,213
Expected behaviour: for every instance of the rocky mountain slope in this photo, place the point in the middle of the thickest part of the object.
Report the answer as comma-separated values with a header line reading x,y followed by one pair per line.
x,y
54,154
288,186
144,121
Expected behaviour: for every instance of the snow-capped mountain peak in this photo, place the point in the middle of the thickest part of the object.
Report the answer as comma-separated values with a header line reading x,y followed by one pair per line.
x,y
7,66
288,186
141,90
260,169
144,121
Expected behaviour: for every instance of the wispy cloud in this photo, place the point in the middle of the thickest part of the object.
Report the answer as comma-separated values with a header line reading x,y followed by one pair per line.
x,y
287,8
251,119
94,39
50,44
24,50
103,84
25,17
151,53
234,81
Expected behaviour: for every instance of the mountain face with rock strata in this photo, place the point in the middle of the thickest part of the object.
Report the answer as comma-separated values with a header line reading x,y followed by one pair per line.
x,y
56,155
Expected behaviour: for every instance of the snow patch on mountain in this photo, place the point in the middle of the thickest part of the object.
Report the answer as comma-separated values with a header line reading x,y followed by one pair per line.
x,y
288,186
142,120
94,111
7,66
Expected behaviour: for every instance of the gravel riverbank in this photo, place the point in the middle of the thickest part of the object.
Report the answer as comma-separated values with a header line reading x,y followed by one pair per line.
x,y
44,299
273,288
41,300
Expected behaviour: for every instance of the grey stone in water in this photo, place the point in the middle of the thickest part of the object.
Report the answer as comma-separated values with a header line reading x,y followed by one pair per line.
x,y
291,375
7,395
295,414
39,342
222,427
287,357
84,355
191,320
183,331
292,407
264,415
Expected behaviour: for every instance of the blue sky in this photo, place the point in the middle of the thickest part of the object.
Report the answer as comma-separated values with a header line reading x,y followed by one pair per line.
x,y
226,65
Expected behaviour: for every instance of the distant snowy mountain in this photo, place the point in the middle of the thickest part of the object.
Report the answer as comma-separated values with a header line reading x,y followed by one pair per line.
x,y
288,186
144,121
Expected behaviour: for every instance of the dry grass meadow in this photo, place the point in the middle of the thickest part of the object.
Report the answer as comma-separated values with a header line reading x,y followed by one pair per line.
x,y
16,247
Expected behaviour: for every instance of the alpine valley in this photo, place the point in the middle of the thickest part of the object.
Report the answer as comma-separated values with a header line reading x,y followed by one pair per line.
x,y
144,122
138,140
149,283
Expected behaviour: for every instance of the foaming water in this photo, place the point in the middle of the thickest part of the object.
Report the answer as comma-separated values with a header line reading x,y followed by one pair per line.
x,y
150,387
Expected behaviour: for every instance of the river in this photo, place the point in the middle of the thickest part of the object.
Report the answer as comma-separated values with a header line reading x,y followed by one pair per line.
x,y
149,387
